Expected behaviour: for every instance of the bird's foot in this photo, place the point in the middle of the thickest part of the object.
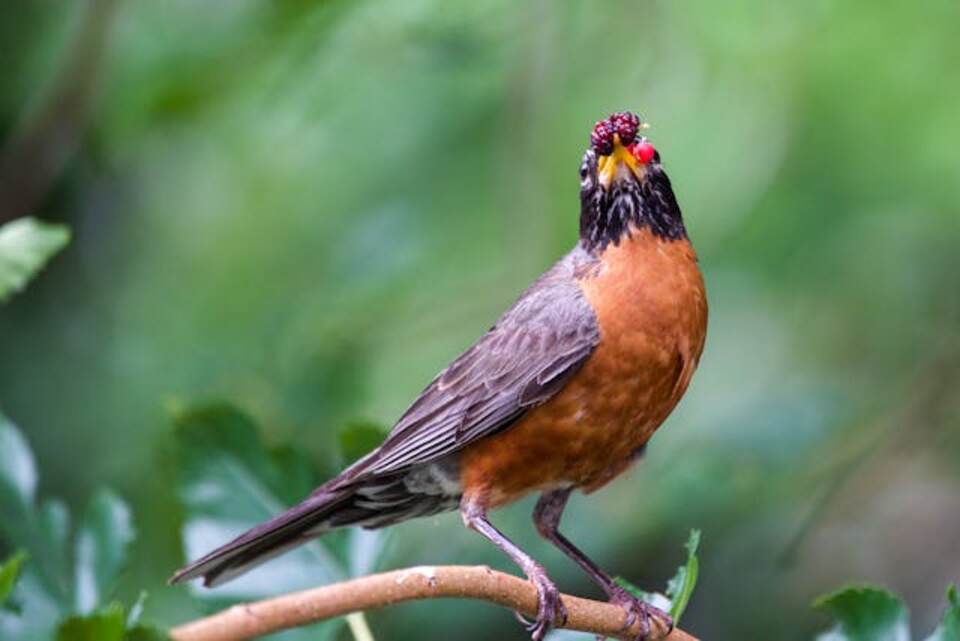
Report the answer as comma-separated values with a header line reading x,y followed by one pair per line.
x,y
639,610
551,612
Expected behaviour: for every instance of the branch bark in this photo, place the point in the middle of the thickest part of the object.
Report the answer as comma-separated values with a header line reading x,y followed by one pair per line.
x,y
248,621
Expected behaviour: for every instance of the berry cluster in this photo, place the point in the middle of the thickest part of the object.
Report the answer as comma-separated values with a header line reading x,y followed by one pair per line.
x,y
601,138
623,123
626,124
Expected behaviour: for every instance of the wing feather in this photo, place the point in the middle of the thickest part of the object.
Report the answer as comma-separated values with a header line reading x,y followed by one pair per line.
x,y
523,360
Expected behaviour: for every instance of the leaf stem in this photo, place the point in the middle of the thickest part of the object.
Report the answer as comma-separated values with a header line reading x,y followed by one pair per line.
x,y
359,628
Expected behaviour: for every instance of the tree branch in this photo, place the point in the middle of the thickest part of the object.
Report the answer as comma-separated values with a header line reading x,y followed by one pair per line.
x,y
248,621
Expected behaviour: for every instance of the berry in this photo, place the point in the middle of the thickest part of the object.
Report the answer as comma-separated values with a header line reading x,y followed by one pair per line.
x,y
626,124
601,138
643,151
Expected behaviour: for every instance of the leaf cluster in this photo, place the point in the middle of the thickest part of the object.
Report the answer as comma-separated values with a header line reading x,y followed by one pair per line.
x,y
60,584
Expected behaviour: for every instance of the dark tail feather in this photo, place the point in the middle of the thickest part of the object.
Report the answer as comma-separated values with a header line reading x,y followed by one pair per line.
x,y
294,527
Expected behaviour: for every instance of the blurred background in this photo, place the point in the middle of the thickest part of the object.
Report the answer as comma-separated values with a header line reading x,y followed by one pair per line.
x,y
309,208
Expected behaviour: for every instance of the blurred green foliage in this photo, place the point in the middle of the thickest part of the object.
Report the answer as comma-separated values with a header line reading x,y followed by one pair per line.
x,y
867,613
310,208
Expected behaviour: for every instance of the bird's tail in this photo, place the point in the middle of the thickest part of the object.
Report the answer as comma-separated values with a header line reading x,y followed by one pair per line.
x,y
314,516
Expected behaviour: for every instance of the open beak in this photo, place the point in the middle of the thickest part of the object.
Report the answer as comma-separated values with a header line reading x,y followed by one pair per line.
x,y
617,164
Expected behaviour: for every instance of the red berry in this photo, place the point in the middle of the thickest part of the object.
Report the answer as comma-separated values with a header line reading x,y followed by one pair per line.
x,y
626,124
601,138
642,151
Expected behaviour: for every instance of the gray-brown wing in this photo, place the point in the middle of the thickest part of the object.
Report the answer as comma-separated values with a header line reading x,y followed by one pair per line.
x,y
520,363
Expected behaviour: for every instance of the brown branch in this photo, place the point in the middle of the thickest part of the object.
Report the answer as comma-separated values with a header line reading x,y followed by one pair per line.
x,y
242,622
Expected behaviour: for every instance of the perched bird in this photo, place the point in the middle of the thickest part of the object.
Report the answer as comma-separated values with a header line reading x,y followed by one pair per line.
x,y
561,394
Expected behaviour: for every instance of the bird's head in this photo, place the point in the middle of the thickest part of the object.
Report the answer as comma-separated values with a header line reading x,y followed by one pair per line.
x,y
623,185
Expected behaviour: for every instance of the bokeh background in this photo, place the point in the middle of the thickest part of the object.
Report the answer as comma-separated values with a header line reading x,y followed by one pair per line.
x,y
309,208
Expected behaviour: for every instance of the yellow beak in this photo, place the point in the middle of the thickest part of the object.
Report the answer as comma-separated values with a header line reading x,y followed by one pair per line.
x,y
609,166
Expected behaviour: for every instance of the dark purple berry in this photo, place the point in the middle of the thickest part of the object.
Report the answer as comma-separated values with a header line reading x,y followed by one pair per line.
x,y
601,138
626,124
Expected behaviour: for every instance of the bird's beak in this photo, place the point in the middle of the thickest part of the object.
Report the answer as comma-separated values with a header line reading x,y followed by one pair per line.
x,y
619,160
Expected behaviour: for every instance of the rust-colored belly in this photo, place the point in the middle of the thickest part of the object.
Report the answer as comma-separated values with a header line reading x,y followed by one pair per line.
x,y
649,299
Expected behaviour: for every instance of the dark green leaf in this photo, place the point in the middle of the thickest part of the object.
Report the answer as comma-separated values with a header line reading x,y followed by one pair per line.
x,y
48,547
680,587
864,613
26,245
101,548
106,624
228,482
42,533
145,633
9,573
949,628
358,438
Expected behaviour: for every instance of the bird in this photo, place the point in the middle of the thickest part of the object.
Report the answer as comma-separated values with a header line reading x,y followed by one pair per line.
x,y
562,394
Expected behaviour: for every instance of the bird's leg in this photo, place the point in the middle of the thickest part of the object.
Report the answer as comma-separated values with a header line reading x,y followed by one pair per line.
x,y
547,516
550,609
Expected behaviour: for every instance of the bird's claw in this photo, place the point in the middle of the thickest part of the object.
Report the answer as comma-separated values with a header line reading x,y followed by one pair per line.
x,y
638,609
551,612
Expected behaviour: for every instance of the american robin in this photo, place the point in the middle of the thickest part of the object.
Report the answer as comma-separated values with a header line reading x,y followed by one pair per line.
x,y
563,393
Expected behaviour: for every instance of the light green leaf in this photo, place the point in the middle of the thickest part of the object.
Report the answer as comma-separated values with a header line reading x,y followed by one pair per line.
x,y
949,628
680,587
228,482
864,613
136,610
107,624
18,480
101,547
9,573
26,244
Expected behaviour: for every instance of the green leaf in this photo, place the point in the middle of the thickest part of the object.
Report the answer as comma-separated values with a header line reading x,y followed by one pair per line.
x,y
228,482
26,244
48,547
101,548
9,573
109,623
106,624
949,628
145,633
18,481
681,586
864,613
649,597
41,532
359,438
136,610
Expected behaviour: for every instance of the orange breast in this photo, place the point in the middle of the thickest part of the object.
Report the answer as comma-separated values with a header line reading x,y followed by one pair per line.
x,y
648,296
